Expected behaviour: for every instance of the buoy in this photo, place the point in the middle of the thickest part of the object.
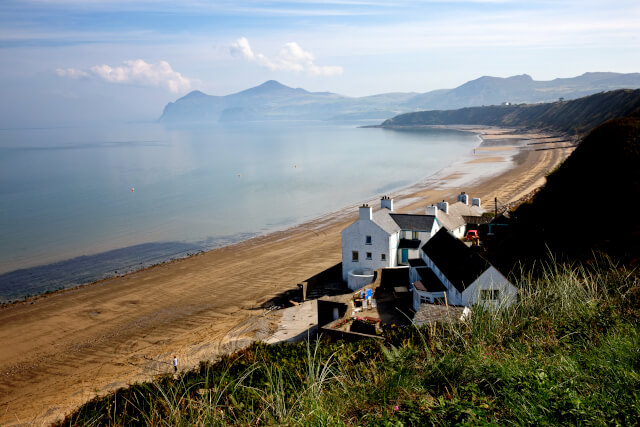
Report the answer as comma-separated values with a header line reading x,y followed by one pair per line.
x,y
133,189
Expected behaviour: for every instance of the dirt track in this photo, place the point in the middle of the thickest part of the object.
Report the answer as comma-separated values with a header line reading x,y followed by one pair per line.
x,y
58,351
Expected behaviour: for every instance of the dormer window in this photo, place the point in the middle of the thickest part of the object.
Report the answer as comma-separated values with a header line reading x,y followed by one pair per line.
x,y
367,240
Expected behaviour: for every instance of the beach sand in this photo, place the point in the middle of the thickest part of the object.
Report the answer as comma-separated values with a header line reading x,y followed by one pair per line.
x,y
60,350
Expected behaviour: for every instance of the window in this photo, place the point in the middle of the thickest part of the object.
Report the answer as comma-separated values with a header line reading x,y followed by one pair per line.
x,y
383,257
367,240
415,235
354,256
489,294
368,255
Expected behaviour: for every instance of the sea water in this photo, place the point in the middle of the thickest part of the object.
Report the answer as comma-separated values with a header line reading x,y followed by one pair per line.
x,y
125,196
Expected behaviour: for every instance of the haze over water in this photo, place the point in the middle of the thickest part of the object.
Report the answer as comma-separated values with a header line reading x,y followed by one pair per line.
x,y
69,192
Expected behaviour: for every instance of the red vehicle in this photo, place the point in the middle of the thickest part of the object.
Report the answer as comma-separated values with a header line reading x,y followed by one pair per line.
x,y
472,235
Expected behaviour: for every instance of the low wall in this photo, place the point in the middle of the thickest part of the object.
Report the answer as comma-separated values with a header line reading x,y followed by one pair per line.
x,y
356,279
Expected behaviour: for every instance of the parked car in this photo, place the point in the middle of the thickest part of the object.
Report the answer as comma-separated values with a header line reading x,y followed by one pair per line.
x,y
471,235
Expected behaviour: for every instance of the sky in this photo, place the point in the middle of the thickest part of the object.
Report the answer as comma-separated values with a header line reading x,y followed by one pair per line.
x,y
69,61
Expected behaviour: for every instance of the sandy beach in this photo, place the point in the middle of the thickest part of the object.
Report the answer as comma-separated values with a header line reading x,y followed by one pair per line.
x,y
60,350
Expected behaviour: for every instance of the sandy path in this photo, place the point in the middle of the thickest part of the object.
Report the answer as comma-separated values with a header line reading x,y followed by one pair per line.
x,y
56,352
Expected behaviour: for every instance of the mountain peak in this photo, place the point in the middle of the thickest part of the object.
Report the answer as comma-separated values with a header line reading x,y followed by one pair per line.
x,y
272,84
271,87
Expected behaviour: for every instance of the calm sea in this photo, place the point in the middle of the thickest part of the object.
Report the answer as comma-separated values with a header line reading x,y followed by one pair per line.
x,y
79,204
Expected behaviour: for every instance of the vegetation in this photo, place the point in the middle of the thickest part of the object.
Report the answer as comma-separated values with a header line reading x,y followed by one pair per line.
x,y
586,207
567,352
575,117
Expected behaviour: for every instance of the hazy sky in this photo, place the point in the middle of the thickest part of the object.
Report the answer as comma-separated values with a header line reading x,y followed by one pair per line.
x,y
67,60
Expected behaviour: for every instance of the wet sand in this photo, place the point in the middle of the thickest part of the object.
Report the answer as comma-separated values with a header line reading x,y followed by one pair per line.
x,y
60,350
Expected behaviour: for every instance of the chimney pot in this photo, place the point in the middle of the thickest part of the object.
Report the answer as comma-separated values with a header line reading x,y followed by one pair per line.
x,y
443,206
365,212
462,197
386,203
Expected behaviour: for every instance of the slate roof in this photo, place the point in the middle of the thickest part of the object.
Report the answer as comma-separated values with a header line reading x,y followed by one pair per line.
x,y
417,262
461,209
456,216
408,244
430,281
450,222
413,221
455,260
477,219
383,218
431,313
391,277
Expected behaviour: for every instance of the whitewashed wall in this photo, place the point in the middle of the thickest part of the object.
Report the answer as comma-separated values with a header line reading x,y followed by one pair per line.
x,y
354,239
491,279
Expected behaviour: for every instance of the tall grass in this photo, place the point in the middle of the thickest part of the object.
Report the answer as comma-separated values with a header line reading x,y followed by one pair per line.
x,y
568,351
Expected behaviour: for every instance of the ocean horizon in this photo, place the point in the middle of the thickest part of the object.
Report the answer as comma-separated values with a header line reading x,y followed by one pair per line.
x,y
87,203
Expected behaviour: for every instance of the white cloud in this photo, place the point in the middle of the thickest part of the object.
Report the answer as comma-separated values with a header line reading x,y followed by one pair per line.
x,y
134,72
72,73
290,58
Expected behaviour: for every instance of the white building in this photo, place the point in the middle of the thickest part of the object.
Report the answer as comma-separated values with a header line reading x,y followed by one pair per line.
x,y
384,238
468,278
452,216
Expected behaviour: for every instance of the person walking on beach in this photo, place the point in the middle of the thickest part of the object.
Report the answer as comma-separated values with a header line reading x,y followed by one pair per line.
x,y
175,364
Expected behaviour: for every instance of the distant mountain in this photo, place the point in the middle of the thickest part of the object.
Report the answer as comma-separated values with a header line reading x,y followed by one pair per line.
x,y
275,101
576,117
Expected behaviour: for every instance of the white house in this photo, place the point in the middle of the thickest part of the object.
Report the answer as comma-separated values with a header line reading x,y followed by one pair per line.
x,y
384,238
468,278
452,216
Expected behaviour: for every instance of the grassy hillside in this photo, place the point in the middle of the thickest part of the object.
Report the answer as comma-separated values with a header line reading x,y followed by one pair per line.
x,y
568,352
575,117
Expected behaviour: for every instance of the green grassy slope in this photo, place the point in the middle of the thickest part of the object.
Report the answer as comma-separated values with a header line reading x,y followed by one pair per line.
x,y
567,353
572,117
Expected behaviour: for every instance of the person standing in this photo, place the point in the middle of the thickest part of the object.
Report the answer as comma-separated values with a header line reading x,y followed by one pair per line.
x,y
175,364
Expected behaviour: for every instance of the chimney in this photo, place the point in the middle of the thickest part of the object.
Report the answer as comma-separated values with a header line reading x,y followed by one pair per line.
x,y
365,212
443,206
462,197
431,210
386,203
476,202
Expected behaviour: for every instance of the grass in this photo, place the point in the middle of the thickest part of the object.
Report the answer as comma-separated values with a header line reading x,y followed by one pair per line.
x,y
567,352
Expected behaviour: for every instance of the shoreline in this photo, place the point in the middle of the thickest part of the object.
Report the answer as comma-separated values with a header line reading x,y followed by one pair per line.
x,y
64,348
85,270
